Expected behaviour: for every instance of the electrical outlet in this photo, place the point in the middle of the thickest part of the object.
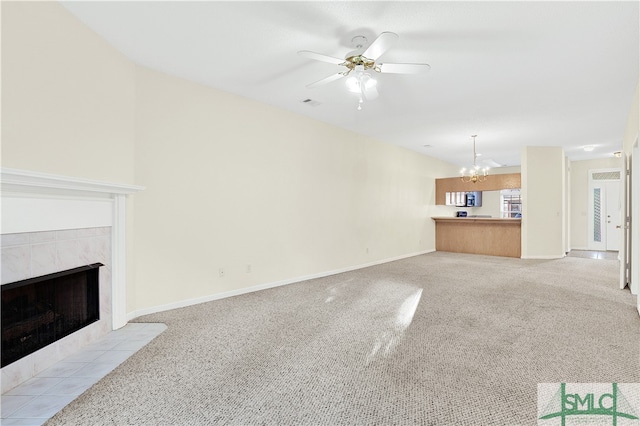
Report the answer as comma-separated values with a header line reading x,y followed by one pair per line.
x,y
248,269
221,271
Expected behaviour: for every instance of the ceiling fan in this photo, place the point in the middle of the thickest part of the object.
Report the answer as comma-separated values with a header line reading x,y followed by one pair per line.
x,y
358,62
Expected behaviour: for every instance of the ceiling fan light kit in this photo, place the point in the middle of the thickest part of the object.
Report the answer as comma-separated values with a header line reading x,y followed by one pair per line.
x,y
357,64
360,81
474,173
363,84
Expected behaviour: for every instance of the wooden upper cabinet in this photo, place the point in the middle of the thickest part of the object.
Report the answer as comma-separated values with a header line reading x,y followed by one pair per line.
x,y
493,183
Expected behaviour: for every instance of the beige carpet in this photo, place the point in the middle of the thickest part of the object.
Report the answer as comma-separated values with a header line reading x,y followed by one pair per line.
x,y
435,339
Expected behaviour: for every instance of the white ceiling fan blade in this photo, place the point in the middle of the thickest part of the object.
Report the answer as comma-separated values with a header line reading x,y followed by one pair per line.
x,y
404,68
320,57
326,80
380,45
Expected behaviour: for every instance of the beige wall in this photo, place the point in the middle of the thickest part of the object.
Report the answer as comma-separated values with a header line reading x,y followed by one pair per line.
x,y
67,100
67,96
543,192
231,183
633,122
579,198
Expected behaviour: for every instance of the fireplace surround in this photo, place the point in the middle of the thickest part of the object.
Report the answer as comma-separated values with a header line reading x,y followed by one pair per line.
x,y
53,223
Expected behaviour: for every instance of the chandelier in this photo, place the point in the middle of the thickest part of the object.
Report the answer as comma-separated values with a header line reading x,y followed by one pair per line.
x,y
475,173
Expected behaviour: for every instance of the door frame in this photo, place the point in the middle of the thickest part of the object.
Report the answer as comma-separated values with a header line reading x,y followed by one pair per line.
x,y
634,223
591,244
624,251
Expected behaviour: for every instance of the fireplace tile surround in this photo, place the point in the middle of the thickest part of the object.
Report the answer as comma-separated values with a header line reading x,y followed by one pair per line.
x,y
32,254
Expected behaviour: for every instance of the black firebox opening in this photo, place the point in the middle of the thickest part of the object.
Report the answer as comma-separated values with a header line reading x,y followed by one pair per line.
x,y
38,311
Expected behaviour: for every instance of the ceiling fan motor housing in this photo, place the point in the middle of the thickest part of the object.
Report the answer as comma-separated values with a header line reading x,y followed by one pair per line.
x,y
353,61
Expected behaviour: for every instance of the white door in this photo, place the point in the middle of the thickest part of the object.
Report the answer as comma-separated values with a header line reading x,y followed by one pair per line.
x,y
604,211
614,214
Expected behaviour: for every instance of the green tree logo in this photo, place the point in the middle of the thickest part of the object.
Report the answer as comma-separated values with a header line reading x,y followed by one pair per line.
x,y
612,404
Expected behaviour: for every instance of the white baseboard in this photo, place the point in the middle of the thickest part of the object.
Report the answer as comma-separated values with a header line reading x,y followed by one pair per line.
x,y
543,257
231,293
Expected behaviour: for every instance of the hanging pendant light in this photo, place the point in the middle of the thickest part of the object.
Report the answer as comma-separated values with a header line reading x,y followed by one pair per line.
x,y
475,173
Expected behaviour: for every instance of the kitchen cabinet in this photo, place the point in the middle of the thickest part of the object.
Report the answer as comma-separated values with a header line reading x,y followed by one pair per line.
x,y
493,183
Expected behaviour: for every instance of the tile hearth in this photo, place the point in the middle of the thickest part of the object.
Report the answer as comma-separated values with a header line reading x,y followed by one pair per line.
x,y
41,397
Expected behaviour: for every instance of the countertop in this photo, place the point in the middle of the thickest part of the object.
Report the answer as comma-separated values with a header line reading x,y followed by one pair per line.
x,y
478,219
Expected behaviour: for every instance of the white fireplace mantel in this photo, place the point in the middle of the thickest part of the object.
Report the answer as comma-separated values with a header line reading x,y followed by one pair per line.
x,y
34,201
13,178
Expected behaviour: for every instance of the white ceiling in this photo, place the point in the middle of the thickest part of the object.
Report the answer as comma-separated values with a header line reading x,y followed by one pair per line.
x,y
514,73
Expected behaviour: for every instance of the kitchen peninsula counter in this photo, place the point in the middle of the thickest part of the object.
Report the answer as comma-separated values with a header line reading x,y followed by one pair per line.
x,y
478,235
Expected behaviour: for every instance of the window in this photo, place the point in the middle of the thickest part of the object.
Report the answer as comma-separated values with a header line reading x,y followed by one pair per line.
x,y
511,203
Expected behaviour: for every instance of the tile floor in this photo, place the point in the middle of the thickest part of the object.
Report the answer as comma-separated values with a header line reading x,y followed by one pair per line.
x,y
38,399
590,254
